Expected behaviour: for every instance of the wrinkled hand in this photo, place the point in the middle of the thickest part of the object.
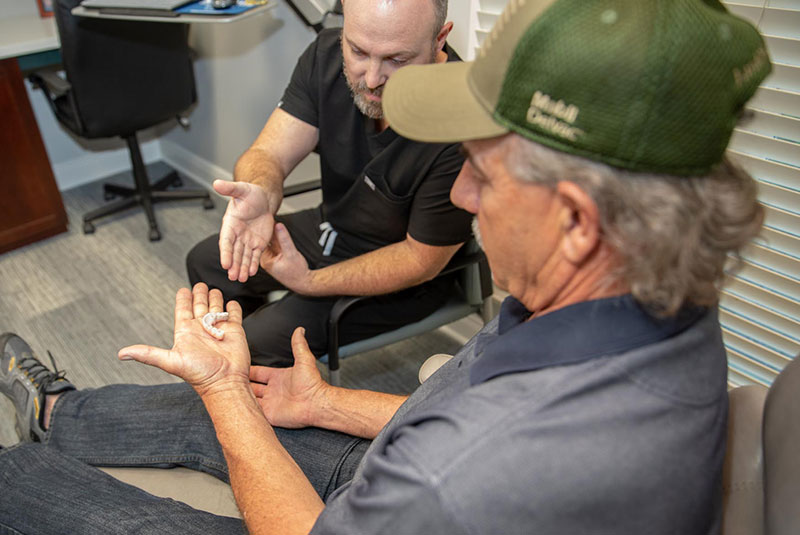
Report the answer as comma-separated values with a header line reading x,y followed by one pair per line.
x,y
246,228
284,262
289,396
196,356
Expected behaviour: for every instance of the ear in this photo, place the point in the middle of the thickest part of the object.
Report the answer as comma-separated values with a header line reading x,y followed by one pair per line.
x,y
580,222
441,37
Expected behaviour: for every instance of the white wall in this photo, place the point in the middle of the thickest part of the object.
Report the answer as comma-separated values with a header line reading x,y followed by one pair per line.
x,y
241,70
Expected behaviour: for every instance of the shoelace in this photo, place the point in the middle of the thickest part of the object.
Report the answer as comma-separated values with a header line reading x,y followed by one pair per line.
x,y
39,374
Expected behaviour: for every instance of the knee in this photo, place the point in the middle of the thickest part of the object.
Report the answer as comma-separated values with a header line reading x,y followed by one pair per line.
x,y
202,261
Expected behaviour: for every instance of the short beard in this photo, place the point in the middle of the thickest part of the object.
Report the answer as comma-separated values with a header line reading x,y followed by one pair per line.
x,y
476,232
372,109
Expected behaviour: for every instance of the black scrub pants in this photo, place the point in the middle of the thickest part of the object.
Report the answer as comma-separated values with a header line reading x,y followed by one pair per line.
x,y
269,326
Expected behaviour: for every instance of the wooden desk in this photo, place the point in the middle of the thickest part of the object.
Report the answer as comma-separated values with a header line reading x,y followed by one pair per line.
x,y
30,203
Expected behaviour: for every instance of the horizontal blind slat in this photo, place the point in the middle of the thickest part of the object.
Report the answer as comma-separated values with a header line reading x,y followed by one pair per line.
x,y
767,170
765,278
780,197
763,317
771,124
757,353
753,331
776,303
776,101
768,147
783,49
781,220
779,241
781,21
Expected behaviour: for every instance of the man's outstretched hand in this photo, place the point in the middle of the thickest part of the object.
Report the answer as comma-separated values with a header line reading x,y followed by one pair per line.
x,y
246,228
291,397
196,356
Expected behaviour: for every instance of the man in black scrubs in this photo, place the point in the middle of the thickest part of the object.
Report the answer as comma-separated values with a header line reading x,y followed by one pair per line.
x,y
386,225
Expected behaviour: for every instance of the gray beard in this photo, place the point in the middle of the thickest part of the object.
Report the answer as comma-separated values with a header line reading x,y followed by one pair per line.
x,y
477,232
373,110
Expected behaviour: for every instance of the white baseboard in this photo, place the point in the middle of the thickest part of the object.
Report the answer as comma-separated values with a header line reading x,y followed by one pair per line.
x,y
92,166
190,164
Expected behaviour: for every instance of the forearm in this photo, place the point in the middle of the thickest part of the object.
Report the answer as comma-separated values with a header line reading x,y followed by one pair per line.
x,y
273,494
259,168
385,270
360,413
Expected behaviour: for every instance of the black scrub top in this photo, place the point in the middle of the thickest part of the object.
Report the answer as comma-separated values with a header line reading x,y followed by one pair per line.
x,y
376,186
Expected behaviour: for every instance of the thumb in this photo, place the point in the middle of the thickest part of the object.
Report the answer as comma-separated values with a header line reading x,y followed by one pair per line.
x,y
284,239
230,188
302,353
152,356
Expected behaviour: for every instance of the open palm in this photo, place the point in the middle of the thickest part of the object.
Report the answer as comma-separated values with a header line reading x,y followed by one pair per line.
x,y
196,356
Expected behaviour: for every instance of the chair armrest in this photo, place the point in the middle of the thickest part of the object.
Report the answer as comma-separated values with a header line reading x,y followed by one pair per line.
x,y
53,85
303,187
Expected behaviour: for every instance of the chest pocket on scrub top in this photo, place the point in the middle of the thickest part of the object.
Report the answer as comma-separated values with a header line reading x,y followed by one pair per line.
x,y
380,216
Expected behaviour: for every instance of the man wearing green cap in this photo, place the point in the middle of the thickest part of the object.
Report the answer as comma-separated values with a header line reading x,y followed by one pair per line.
x,y
595,403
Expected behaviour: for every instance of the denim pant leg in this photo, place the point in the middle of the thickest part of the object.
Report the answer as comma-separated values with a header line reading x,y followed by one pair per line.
x,y
167,425
46,492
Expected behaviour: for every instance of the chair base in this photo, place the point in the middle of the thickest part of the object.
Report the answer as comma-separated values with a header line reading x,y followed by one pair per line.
x,y
144,194
131,198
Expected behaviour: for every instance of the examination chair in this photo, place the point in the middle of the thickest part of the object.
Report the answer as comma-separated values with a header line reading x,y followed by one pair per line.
x,y
122,77
761,477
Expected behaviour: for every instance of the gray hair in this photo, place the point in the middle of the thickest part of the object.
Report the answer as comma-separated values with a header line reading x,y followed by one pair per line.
x,y
673,234
440,15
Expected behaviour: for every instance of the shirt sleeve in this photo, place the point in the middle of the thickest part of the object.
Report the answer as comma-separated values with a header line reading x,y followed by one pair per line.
x,y
434,219
300,96
393,496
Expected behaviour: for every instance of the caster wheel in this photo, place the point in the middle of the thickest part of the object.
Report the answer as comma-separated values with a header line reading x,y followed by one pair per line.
x,y
177,182
108,196
155,235
88,228
208,204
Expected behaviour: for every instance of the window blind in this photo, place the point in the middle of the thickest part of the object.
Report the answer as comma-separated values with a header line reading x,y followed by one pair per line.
x,y
760,305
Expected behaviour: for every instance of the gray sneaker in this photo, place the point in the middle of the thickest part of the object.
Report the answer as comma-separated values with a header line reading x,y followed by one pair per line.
x,y
26,382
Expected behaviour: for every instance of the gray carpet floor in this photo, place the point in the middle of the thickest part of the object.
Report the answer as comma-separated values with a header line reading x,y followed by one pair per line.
x,y
83,297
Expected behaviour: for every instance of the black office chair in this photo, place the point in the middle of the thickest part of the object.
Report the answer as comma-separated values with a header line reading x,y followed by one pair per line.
x,y
471,295
122,77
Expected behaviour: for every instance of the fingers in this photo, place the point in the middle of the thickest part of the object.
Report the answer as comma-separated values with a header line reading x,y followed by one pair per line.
x,y
244,266
234,311
183,306
261,374
215,301
238,251
199,300
259,389
226,239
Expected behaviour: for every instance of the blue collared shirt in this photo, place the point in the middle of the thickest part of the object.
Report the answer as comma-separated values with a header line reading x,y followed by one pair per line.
x,y
592,418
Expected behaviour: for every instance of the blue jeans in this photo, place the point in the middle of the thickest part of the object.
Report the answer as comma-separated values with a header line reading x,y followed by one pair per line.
x,y
52,487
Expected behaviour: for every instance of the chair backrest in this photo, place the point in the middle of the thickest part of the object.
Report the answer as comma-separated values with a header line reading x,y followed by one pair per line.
x,y
475,279
782,453
125,75
761,476
742,475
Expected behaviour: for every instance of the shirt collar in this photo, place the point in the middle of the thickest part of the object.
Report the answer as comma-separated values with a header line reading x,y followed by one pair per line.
x,y
573,334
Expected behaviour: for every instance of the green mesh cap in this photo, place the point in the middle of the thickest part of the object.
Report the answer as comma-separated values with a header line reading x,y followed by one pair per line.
x,y
646,85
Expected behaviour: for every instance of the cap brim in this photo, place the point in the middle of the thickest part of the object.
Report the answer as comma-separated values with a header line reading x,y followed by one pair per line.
x,y
434,103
